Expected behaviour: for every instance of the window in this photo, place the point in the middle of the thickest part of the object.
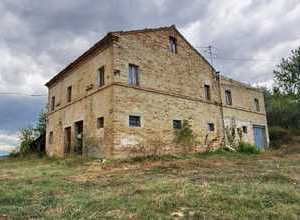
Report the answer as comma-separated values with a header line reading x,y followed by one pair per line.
x,y
256,104
177,124
173,44
69,94
228,97
100,77
207,92
100,122
134,121
133,75
245,130
211,127
52,103
51,137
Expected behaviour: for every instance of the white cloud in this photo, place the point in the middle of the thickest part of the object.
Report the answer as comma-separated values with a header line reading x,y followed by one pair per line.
x,y
258,30
8,142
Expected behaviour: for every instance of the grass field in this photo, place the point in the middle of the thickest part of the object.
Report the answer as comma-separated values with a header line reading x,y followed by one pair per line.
x,y
208,186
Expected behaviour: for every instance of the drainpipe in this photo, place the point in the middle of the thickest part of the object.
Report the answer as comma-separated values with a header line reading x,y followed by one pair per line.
x,y
221,104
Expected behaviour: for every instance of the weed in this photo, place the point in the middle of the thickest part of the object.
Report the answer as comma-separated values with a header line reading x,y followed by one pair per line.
x,y
247,148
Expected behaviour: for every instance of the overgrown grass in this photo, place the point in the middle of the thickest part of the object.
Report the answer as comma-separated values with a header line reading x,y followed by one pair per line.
x,y
214,185
247,148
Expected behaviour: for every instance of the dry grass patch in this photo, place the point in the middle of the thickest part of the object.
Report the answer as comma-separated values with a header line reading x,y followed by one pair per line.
x,y
232,186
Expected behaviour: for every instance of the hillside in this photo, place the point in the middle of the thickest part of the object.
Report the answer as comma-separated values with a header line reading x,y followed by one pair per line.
x,y
231,186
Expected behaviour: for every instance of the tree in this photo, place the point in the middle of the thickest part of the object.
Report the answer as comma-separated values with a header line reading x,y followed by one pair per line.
x,y
40,127
282,109
26,140
32,138
287,75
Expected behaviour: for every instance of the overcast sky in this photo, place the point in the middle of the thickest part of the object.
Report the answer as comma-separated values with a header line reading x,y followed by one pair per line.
x,y
38,38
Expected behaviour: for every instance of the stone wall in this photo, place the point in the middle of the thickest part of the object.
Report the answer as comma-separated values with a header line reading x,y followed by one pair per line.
x,y
157,112
171,87
88,103
242,112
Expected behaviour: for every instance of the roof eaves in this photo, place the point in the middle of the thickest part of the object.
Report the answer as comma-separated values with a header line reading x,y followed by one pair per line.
x,y
100,44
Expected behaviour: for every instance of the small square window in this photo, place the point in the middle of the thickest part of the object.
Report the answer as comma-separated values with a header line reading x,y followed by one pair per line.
x,y
245,130
134,121
100,122
211,127
100,77
228,97
51,137
207,92
173,44
177,124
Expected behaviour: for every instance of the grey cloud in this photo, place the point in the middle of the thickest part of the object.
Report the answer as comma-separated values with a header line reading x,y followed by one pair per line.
x,y
38,38
19,111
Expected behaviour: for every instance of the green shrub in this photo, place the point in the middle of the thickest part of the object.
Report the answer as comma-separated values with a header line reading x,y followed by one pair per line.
x,y
185,136
26,140
278,136
247,148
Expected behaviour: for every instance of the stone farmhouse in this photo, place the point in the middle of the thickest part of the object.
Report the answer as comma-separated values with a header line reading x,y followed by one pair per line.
x,y
134,87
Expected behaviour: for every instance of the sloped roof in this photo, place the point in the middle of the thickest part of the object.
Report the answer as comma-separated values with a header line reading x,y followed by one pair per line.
x,y
107,40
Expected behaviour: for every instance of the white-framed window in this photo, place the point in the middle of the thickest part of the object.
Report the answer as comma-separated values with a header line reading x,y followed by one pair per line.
x,y
133,75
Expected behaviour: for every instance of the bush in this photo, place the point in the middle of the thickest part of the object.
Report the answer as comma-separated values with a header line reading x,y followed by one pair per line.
x,y
185,137
247,148
27,140
278,136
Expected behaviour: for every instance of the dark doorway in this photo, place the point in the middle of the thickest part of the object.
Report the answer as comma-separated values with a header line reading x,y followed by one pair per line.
x,y
68,140
78,137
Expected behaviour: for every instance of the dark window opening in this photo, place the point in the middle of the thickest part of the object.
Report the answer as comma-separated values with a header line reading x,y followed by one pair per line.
x,y
177,124
232,132
100,77
211,127
68,140
100,122
51,137
134,121
245,130
133,75
78,137
256,103
207,92
173,44
228,97
52,103
69,94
